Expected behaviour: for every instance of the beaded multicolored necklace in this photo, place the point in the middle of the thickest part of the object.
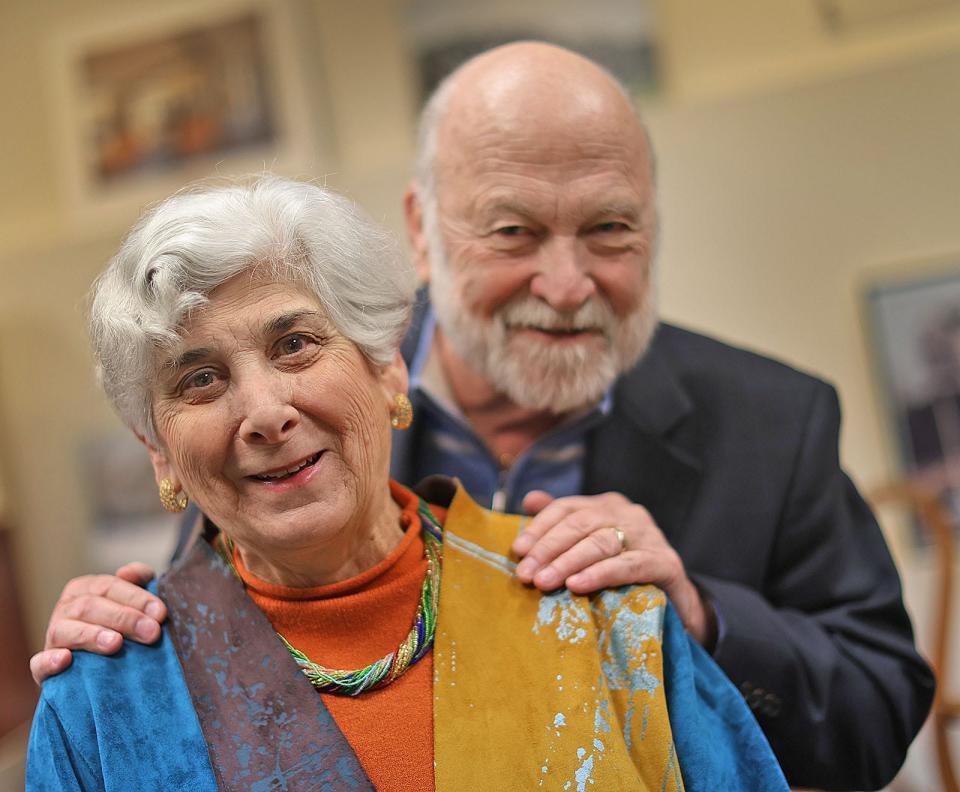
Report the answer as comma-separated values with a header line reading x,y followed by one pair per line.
x,y
417,643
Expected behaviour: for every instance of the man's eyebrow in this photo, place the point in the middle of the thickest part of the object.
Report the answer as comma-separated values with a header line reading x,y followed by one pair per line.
x,y
505,206
283,322
628,210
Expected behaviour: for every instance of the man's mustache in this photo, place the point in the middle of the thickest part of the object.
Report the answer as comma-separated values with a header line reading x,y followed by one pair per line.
x,y
593,315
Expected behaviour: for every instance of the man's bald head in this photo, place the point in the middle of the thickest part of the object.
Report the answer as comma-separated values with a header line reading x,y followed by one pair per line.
x,y
524,87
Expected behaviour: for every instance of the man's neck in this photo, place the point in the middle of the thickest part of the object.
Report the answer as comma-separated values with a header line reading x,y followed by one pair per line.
x,y
504,427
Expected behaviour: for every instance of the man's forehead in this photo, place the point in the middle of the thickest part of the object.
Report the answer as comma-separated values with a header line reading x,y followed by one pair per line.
x,y
488,152
586,185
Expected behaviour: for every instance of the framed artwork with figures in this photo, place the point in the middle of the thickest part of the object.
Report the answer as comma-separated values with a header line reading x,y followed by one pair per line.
x,y
181,92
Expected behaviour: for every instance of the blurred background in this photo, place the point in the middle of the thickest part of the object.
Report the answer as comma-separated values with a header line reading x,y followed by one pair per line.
x,y
809,177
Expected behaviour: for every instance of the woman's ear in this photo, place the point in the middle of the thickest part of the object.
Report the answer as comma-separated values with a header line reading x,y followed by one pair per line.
x,y
162,469
394,377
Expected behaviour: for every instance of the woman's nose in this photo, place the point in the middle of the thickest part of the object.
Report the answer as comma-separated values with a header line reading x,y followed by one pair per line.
x,y
270,416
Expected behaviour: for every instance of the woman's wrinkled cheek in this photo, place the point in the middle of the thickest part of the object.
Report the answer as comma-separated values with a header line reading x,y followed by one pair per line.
x,y
189,450
369,426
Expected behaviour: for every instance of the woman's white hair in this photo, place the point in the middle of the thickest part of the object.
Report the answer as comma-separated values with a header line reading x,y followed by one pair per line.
x,y
189,244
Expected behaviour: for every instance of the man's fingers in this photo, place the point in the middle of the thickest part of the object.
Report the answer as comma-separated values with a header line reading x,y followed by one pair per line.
x,y
137,573
97,624
596,546
548,517
623,569
131,622
553,511
66,633
49,662
81,592
558,540
535,501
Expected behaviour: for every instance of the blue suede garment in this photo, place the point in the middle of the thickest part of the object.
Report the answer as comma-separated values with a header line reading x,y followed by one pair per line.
x,y
124,722
719,744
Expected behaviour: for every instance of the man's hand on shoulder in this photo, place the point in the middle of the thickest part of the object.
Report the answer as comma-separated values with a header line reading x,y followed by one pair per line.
x,y
576,542
95,613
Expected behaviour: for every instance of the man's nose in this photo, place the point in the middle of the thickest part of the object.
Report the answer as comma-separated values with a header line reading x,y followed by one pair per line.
x,y
269,415
563,280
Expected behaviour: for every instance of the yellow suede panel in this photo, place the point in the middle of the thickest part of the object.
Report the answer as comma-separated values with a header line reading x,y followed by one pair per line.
x,y
543,691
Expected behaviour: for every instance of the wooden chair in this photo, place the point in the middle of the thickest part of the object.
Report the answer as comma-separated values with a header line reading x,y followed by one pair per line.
x,y
929,510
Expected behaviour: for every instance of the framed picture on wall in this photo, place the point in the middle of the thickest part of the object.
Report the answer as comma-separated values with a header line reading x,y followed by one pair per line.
x,y
618,34
165,94
915,324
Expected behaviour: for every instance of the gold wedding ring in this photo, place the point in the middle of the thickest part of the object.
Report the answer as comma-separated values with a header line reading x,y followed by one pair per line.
x,y
621,538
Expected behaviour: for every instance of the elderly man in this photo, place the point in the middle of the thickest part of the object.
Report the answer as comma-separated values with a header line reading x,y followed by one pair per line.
x,y
648,453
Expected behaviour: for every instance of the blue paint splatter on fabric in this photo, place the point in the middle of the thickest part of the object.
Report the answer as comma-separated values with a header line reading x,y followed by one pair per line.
x,y
601,717
571,617
584,771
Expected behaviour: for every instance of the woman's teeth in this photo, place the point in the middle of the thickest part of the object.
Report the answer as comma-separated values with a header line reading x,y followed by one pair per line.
x,y
289,471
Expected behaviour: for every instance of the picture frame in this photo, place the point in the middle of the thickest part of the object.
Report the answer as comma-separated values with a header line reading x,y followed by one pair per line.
x,y
620,35
914,324
148,102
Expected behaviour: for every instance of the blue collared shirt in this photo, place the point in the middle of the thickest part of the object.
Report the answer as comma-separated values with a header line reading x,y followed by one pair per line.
x,y
554,462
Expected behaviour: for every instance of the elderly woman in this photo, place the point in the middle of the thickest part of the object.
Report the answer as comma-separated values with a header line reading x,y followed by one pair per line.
x,y
329,629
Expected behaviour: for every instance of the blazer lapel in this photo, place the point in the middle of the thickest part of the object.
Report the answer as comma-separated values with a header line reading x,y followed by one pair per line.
x,y
645,449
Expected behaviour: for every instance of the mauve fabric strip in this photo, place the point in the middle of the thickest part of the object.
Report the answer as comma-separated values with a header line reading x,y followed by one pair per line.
x,y
265,726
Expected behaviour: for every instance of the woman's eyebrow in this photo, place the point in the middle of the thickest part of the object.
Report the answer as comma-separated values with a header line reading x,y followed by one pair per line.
x,y
285,321
190,356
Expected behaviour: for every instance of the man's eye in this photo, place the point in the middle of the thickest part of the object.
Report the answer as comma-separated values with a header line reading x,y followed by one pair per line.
x,y
511,231
611,226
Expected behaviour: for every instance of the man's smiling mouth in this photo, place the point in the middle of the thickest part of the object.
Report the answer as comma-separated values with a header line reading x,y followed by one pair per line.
x,y
286,473
562,331
558,332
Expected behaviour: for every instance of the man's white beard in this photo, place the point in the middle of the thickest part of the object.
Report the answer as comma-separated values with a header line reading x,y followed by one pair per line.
x,y
541,375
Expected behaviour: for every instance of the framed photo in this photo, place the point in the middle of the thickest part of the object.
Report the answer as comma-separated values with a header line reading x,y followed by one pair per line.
x,y
915,324
618,34
182,92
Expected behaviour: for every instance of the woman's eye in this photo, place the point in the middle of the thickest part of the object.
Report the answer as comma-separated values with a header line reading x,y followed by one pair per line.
x,y
293,344
200,379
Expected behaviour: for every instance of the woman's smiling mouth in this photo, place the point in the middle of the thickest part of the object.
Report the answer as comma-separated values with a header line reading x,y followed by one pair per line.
x,y
284,474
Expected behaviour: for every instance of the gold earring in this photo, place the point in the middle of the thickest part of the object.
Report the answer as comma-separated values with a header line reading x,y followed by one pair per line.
x,y
402,415
172,500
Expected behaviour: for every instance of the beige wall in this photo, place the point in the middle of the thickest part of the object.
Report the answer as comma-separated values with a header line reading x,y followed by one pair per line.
x,y
779,208
793,167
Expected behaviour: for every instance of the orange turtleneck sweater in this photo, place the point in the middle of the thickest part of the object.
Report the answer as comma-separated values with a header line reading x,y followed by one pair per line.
x,y
352,623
